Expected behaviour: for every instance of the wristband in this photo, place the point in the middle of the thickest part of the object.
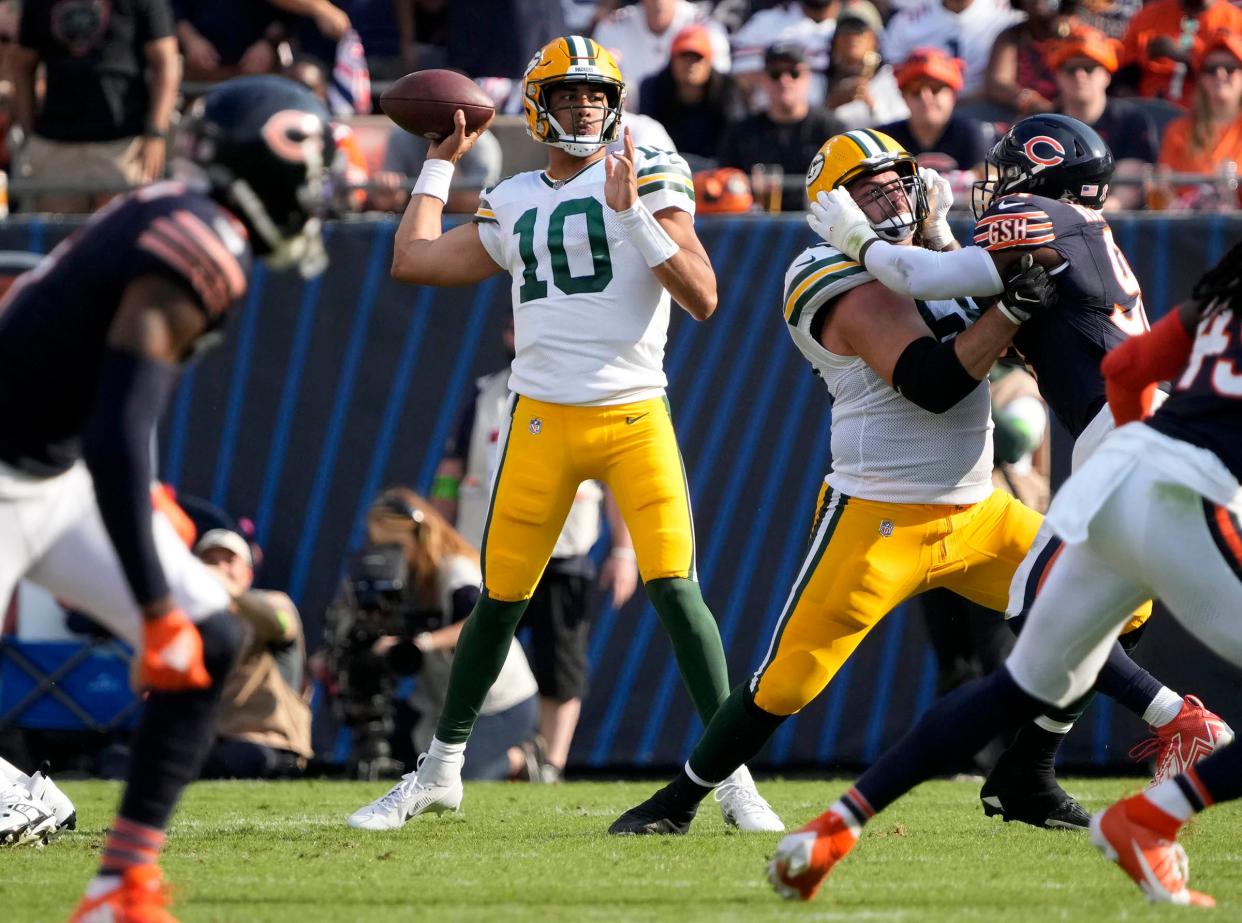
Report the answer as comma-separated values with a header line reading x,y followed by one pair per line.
x,y
1010,315
445,487
647,235
434,180
936,234
623,551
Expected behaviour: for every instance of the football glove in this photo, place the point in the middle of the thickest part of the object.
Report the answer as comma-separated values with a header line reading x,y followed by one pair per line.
x,y
836,217
935,227
171,659
1029,291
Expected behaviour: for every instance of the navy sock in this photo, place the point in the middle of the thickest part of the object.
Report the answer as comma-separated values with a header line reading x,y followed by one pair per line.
x,y
1124,681
955,728
1221,774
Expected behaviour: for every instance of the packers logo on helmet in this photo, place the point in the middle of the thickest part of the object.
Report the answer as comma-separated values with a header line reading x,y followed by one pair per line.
x,y
571,59
862,152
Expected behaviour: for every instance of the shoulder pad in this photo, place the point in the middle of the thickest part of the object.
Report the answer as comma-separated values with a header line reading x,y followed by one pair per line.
x,y
816,276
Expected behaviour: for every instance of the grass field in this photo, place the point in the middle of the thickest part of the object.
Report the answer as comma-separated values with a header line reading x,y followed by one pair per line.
x,y
253,852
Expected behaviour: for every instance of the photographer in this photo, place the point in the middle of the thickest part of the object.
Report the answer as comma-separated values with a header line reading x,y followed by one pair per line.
x,y
400,614
263,730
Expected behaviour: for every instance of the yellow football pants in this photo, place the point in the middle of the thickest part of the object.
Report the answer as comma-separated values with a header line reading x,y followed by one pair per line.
x,y
548,451
867,557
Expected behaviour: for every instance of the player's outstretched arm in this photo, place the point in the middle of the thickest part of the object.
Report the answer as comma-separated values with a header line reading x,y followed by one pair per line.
x,y
666,239
154,328
421,253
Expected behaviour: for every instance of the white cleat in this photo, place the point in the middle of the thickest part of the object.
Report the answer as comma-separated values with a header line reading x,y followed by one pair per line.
x,y
743,807
42,788
23,819
405,800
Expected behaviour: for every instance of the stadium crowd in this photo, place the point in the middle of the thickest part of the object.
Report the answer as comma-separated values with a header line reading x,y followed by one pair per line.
x,y
89,92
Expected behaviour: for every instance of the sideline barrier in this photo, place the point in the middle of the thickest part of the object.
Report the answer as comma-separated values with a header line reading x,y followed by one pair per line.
x,y
328,390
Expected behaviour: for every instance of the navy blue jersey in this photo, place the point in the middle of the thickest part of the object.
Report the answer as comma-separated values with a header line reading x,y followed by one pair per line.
x,y
54,320
1205,408
1099,302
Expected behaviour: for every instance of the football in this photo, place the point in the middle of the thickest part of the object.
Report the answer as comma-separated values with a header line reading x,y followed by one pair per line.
x,y
423,103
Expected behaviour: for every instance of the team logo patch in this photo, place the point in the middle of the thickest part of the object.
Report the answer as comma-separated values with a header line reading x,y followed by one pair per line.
x,y
816,168
1044,151
886,527
536,426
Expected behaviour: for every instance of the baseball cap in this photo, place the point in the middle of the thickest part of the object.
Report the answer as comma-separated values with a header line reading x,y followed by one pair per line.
x,y
790,52
225,538
1219,40
695,39
933,64
1084,42
861,13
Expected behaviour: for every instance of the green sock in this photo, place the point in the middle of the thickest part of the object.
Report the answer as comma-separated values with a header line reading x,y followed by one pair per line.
x,y
696,641
738,731
481,651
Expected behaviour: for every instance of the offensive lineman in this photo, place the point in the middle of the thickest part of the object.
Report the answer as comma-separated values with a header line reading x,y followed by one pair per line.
x,y
91,345
595,246
1046,183
909,504
1180,469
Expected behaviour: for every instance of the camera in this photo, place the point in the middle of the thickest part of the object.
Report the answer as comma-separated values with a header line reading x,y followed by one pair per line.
x,y
377,602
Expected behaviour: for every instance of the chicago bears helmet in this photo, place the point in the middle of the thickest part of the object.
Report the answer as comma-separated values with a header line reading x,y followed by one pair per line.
x,y
1051,155
864,151
571,59
264,147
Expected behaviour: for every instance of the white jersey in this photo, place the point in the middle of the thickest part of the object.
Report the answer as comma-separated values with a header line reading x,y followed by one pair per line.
x,y
590,318
968,35
885,447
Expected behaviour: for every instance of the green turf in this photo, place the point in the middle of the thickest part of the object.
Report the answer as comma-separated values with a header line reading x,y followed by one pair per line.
x,y
254,852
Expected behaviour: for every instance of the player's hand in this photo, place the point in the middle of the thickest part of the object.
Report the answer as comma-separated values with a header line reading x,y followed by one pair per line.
x,y
171,657
935,227
454,147
1029,292
619,574
153,153
332,21
836,217
621,178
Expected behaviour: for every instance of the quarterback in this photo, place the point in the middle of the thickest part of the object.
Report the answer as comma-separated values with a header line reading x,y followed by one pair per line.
x,y
909,503
595,246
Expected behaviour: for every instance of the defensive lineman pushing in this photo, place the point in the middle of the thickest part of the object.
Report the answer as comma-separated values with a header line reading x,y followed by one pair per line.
x,y
595,245
91,344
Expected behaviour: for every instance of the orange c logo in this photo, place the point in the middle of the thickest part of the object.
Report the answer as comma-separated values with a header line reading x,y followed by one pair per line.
x,y
1057,156
295,136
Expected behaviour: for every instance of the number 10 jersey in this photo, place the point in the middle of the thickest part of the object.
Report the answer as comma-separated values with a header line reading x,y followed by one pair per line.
x,y
590,317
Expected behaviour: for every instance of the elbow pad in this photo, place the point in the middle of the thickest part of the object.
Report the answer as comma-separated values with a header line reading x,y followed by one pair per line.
x,y
930,375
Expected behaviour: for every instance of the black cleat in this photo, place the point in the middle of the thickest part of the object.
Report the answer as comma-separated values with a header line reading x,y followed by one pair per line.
x,y
659,814
1047,805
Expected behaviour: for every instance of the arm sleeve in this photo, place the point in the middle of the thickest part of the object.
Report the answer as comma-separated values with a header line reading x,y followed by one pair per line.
x,y
929,274
116,445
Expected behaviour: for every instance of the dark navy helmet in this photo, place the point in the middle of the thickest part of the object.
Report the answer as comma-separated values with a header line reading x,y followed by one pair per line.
x,y
264,147
1050,155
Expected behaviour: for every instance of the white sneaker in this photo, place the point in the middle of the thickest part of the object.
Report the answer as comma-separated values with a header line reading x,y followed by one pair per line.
x,y
743,807
407,799
42,788
24,819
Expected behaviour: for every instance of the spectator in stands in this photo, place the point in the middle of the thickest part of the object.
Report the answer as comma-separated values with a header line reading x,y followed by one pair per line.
x,y
1084,63
641,38
966,29
1111,17
1210,137
111,77
809,23
864,90
559,614
1018,77
689,97
1164,38
493,38
789,132
264,727
223,38
934,133
422,27
9,14
404,155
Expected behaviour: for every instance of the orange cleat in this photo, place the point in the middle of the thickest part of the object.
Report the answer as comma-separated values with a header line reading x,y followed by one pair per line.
x,y
804,858
172,655
1142,839
140,897
1193,735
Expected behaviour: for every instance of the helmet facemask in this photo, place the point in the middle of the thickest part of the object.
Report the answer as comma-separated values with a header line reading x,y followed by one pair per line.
x,y
573,144
997,180
902,202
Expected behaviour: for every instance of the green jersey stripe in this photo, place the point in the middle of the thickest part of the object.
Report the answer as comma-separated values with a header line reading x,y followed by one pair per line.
x,y
668,166
668,184
809,295
815,267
